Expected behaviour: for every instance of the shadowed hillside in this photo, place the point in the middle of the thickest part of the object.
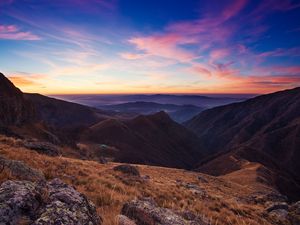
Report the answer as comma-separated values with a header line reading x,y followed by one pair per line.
x,y
265,129
153,139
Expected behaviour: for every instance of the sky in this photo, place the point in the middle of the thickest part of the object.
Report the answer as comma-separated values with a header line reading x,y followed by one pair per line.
x,y
166,46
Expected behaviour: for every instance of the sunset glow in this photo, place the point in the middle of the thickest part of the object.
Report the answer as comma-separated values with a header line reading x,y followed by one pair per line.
x,y
102,46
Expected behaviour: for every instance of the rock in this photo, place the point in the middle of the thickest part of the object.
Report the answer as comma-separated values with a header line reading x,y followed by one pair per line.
x,y
127,169
124,220
294,213
202,179
44,203
279,214
20,170
195,189
102,160
18,199
277,205
264,197
145,212
67,206
43,148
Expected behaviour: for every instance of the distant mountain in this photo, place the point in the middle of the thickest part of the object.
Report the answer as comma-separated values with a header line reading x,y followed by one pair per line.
x,y
196,100
155,139
179,113
265,129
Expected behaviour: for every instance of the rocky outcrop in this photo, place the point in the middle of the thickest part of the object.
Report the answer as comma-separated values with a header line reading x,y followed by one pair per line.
x,y
44,203
20,170
146,212
128,169
124,220
43,148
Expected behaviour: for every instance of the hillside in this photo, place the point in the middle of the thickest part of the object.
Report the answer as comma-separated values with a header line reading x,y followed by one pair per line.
x,y
217,200
155,139
265,129
81,130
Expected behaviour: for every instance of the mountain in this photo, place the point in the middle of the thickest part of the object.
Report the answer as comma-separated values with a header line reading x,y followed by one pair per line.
x,y
60,113
153,139
15,109
196,100
265,129
179,113
37,116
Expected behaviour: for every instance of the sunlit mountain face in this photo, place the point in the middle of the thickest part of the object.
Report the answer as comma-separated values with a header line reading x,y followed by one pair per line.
x,y
126,47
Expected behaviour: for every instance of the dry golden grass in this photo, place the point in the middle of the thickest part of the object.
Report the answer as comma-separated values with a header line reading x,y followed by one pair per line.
x,y
104,187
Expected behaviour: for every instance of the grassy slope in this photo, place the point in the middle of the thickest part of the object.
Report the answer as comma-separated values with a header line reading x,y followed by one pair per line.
x,y
102,185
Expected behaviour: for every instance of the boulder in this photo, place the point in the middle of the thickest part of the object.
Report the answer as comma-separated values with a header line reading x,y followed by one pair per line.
x,y
294,213
20,170
128,169
280,215
124,220
277,205
43,148
44,203
18,200
146,212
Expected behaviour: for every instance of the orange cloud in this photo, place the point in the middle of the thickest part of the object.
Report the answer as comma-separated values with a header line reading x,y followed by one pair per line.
x,y
25,80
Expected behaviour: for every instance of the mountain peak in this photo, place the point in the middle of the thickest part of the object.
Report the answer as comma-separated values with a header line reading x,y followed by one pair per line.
x,y
14,109
162,115
7,88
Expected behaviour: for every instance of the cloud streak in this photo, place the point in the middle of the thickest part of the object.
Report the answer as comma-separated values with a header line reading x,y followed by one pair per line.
x,y
12,32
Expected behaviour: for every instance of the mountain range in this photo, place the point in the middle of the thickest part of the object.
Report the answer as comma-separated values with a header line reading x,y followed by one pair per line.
x,y
261,135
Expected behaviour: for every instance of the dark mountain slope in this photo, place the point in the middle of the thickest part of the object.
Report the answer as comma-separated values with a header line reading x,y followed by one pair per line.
x,y
60,113
153,139
41,117
15,109
269,124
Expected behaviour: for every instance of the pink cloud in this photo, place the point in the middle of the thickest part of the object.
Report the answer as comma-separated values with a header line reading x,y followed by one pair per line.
x,y
166,46
11,32
200,70
233,9
216,54
204,33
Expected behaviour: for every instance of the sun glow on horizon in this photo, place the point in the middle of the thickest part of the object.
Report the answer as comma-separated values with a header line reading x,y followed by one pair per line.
x,y
116,47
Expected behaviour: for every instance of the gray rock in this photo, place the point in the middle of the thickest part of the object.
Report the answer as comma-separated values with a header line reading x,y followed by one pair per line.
x,y
18,199
145,212
20,170
128,169
294,213
43,148
45,203
124,220
195,189
279,214
277,205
